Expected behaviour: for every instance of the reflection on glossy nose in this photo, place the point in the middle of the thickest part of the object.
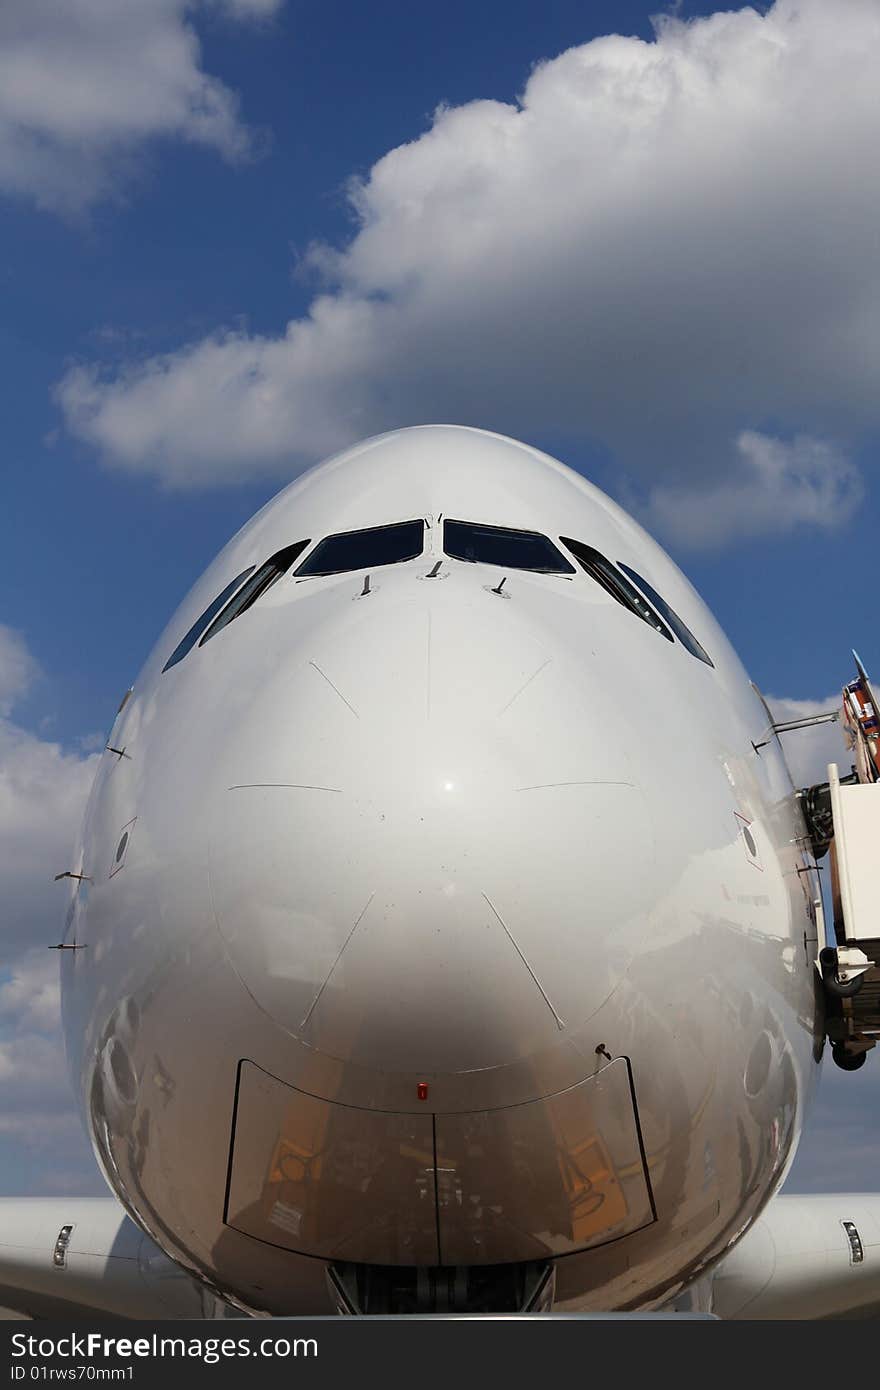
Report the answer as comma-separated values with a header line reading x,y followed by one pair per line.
x,y
442,803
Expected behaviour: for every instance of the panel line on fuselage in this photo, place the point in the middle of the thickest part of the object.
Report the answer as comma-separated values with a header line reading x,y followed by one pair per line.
x,y
333,687
597,782
559,1022
296,786
314,1003
525,686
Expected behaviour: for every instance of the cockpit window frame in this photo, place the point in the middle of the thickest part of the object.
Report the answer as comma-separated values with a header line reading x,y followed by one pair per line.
x,y
679,627
605,573
260,581
303,572
191,637
563,568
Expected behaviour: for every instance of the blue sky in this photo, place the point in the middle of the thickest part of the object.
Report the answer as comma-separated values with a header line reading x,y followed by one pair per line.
x,y
654,259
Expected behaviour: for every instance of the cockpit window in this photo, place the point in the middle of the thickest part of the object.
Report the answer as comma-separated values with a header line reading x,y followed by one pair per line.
x,y
684,634
497,545
248,594
360,550
202,622
606,574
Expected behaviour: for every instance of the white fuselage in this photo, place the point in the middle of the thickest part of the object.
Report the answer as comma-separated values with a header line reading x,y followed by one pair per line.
x,y
511,846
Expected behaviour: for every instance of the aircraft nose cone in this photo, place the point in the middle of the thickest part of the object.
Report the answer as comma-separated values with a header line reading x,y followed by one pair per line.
x,y
450,865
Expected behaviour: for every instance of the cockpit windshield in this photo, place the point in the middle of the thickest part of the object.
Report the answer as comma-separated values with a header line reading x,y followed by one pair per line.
x,y
267,575
359,550
204,620
614,583
682,632
497,545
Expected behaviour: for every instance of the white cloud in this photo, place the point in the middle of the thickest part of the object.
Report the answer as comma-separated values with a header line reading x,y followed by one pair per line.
x,y
38,1121
772,486
43,790
249,9
84,83
31,995
660,246
91,743
17,668
29,1062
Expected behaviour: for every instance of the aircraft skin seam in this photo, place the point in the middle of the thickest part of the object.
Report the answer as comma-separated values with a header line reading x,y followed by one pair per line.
x,y
294,786
333,687
524,687
545,996
428,671
314,1003
597,782
228,957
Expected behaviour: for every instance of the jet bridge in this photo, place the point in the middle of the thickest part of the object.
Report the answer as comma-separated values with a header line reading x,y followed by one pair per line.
x,y
843,816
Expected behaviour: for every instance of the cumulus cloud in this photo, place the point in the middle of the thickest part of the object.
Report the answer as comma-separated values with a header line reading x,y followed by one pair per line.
x,y
249,9
773,486
43,790
83,84
38,1122
31,994
28,1062
17,667
665,247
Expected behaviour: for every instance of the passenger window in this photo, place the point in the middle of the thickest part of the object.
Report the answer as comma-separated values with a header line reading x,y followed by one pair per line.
x,y
202,622
508,549
248,594
613,582
360,550
683,633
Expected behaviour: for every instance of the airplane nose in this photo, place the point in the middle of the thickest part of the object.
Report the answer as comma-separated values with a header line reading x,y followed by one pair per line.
x,y
434,855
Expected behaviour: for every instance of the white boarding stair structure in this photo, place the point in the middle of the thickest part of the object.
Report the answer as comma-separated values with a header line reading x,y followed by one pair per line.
x,y
851,968
843,815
